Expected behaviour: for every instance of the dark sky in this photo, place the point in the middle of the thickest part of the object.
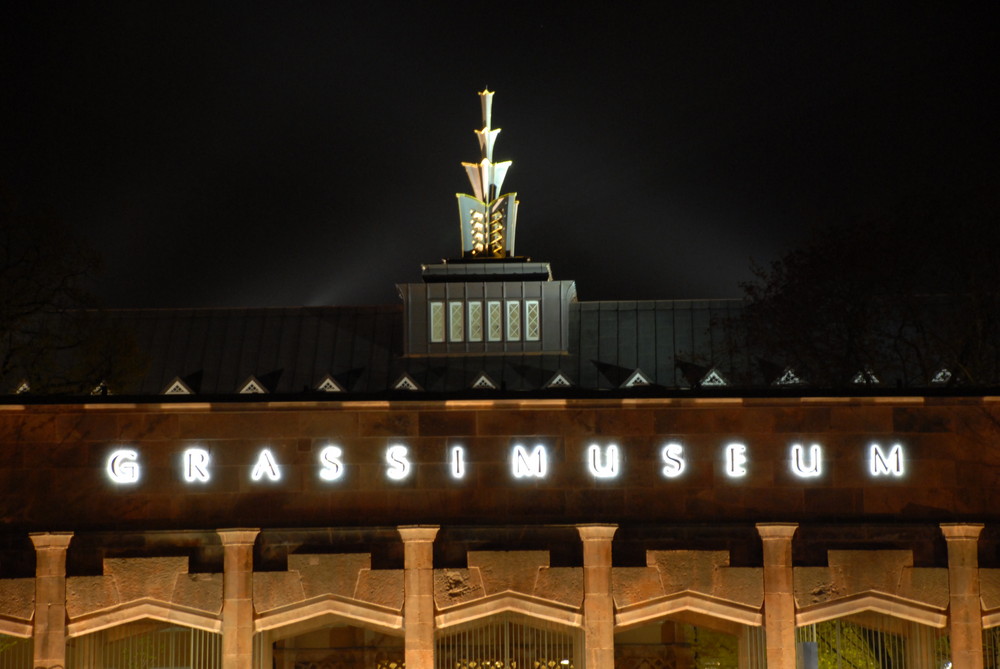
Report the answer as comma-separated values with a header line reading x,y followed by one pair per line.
x,y
291,153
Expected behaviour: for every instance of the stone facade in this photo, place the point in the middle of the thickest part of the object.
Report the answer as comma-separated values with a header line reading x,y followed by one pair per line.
x,y
706,547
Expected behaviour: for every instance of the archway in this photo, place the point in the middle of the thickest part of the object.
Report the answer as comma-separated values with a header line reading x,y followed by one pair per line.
x,y
508,641
688,640
871,640
145,644
324,643
15,652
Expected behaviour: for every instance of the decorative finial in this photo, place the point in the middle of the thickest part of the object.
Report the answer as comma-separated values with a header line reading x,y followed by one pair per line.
x,y
487,221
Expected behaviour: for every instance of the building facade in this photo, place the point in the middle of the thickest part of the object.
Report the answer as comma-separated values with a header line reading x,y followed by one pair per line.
x,y
493,474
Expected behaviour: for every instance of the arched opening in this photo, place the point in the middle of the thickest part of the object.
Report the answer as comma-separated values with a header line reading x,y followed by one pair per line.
x,y
318,644
691,641
991,648
870,640
145,644
508,641
15,652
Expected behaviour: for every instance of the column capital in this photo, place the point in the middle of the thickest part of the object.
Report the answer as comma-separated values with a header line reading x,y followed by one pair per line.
x,y
418,533
961,531
241,536
51,540
776,530
597,531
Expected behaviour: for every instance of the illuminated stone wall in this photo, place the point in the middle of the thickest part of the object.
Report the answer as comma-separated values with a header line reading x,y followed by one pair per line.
x,y
690,460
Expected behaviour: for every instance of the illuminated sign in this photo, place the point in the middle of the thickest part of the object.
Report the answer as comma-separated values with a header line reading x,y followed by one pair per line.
x,y
266,466
457,462
602,461
736,460
534,465
804,468
331,467
123,466
603,466
195,465
399,464
672,456
886,465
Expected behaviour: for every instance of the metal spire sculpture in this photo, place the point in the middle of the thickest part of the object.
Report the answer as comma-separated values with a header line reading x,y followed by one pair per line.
x,y
488,221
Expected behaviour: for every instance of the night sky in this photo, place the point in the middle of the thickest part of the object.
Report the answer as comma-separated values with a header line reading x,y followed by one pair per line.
x,y
292,153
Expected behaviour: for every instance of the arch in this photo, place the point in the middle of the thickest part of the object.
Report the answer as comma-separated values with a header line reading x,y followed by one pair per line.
x,y
532,608
508,638
686,602
991,618
317,612
876,602
18,628
142,609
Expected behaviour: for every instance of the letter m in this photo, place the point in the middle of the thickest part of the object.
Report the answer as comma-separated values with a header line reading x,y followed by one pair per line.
x,y
525,465
886,465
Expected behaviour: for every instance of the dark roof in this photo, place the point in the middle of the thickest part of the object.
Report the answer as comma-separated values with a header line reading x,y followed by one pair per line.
x,y
290,351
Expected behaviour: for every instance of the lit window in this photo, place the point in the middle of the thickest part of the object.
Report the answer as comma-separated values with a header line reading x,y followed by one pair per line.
x,y
475,321
494,321
532,320
456,321
437,321
513,320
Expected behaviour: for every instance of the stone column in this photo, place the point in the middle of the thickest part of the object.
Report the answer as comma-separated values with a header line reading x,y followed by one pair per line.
x,y
965,621
418,595
779,597
237,598
598,602
50,598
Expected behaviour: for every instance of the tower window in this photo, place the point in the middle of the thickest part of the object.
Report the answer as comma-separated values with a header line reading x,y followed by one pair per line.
x,y
494,320
437,321
475,320
456,321
513,320
532,320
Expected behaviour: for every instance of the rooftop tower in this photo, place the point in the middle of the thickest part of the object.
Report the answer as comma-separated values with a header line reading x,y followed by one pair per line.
x,y
488,221
488,301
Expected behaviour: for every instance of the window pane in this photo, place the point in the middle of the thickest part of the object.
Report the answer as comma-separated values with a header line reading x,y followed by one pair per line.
x,y
495,325
437,321
475,321
456,321
513,320
532,320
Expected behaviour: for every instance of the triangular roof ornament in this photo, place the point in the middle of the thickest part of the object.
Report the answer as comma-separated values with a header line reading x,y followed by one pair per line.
x,y
177,387
714,379
788,378
329,385
406,382
865,377
252,386
636,379
941,377
101,389
483,382
488,220
23,387
559,380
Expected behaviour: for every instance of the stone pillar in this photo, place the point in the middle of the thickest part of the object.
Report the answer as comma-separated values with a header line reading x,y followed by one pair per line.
x,y
50,598
598,602
965,620
418,595
779,596
237,598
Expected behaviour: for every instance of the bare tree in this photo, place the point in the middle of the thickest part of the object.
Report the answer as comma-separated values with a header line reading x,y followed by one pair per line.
x,y
52,337
897,298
